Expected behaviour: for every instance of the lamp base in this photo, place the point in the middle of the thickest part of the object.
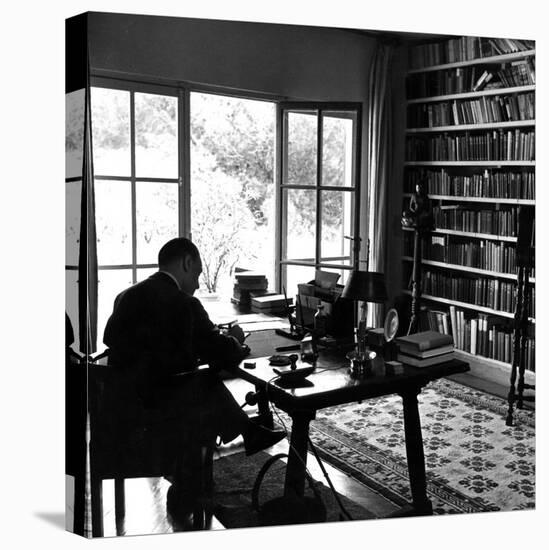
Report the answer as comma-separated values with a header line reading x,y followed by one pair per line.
x,y
361,362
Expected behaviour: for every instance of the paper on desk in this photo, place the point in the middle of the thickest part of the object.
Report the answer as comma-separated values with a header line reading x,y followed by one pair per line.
x,y
265,325
325,279
256,318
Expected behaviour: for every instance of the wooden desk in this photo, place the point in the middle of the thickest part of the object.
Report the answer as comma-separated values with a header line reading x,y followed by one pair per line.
x,y
331,385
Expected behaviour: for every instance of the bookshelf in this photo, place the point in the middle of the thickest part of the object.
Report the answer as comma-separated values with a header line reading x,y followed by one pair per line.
x,y
470,139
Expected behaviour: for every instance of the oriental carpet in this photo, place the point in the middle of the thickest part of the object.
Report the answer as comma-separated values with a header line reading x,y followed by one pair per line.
x,y
474,462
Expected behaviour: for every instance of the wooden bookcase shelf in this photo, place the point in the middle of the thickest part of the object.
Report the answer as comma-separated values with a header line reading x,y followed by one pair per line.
x,y
469,127
465,163
472,95
467,305
498,371
466,268
472,235
495,59
478,199
509,96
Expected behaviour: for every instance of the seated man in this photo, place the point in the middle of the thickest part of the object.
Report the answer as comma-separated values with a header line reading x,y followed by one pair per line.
x,y
157,331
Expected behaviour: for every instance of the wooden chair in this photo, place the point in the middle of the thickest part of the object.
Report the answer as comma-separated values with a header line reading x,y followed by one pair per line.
x,y
75,434
127,440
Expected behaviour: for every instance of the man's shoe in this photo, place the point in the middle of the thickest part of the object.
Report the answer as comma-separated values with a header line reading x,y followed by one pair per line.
x,y
179,504
258,438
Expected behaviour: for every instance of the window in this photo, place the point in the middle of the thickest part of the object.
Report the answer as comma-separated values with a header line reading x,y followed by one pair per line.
x,y
74,143
318,191
232,187
136,150
170,162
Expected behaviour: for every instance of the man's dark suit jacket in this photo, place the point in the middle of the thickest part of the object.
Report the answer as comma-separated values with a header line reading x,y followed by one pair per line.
x,y
160,328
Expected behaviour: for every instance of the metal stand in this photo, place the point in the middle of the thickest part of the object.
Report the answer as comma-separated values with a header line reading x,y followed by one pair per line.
x,y
416,283
419,216
525,261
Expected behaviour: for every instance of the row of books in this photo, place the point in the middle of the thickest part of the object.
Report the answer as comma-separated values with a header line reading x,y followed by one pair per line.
x,y
489,184
250,293
459,218
470,79
434,83
518,73
486,109
437,321
448,81
479,334
491,293
480,254
248,285
495,145
464,48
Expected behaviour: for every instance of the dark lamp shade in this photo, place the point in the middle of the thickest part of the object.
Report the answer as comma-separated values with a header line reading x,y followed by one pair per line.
x,y
365,286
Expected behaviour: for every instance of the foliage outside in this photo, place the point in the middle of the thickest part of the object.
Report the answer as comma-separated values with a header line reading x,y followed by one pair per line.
x,y
232,180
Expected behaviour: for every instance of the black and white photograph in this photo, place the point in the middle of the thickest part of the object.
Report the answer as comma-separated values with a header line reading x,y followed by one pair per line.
x,y
299,277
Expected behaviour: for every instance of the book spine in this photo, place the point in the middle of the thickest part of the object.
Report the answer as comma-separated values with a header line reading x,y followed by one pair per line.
x,y
474,336
453,322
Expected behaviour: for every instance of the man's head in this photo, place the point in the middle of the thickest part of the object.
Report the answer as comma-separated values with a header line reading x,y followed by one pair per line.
x,y
181,258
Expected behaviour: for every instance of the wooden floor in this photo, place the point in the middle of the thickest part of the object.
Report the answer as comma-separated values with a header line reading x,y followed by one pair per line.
x,y
146,498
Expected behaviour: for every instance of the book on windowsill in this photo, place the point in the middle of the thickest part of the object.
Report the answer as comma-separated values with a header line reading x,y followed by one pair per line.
x,y
416,362
425,340
271,301
427,353
249,276
252,285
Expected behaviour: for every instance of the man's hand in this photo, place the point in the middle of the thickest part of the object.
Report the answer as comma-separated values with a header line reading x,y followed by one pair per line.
x,y
236,332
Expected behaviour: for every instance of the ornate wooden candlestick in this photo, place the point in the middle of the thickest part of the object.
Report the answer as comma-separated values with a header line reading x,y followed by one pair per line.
x,y
419,216
525,263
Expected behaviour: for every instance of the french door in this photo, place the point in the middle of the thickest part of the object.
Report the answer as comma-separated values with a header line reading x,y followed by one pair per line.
x,y
318,169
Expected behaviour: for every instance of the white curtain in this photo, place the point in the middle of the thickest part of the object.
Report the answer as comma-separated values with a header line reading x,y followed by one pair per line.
x,y
379,149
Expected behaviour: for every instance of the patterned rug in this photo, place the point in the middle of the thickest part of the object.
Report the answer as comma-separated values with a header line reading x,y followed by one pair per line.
x,y
474,462
235,476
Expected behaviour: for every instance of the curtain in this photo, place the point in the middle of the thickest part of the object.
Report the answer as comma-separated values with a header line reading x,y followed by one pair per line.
x,y
87,259
379,149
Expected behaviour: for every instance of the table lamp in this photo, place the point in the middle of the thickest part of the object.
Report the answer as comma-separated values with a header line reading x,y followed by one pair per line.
x,y
364,286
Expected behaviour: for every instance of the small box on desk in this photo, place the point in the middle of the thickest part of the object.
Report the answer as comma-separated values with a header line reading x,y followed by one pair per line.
x,y
375,339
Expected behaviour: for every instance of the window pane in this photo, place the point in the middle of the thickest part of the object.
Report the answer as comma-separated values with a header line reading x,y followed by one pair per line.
x,y
300,166
156,136
337,222
111,132
73,190
157,218
71,303
113,215
145,272
74,133
337,151
111,283
296,274
299,214
232,187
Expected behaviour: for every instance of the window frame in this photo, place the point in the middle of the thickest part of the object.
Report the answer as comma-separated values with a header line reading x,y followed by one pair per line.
x,y
133,87
318,262
183,93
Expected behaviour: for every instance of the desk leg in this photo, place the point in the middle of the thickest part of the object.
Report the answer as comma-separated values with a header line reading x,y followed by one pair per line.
x,y
414,454
264,412
297,455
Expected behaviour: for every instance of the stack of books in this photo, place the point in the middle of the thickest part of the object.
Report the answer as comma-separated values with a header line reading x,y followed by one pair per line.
x,y
270,303
248,285
424,349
